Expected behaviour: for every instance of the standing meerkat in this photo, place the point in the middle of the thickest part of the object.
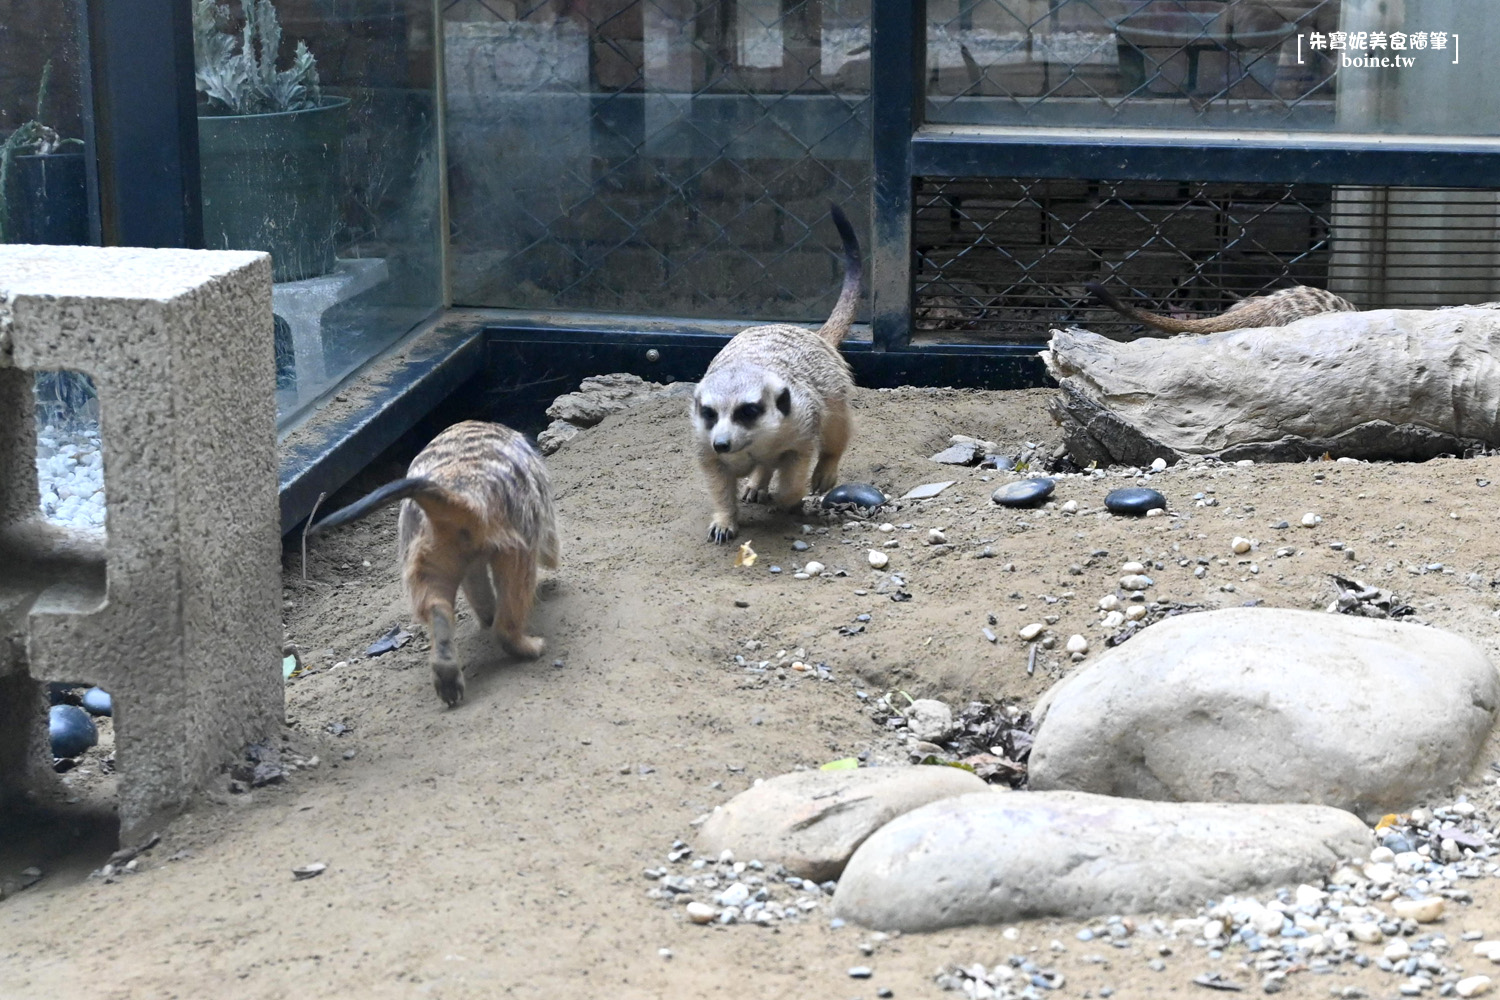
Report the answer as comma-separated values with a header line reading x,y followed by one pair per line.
x,y
476,513
1276,309
776,400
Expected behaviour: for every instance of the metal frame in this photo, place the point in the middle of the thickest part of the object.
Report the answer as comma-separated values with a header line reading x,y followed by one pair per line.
x,y
143,120
907,147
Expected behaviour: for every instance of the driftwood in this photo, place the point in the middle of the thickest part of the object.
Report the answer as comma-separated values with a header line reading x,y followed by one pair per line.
x,y
1400,384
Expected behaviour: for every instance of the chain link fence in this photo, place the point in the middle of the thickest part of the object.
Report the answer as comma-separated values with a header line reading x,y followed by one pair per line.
x,y
1006,260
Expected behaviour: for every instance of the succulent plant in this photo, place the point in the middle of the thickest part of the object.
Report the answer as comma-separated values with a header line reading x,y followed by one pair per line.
x,y
237,72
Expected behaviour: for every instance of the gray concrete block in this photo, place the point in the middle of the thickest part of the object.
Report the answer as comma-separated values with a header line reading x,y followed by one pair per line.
x,y
176,612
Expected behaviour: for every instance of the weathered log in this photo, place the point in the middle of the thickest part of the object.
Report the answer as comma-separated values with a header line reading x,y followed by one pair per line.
x,y
1401,384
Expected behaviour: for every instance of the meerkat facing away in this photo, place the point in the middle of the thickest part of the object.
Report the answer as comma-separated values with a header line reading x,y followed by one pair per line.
x,y
1276,309
476,514
775,400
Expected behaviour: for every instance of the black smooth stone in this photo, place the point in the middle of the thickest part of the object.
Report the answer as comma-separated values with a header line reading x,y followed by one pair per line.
x,y
1024,492
859,494
1134,500
71,730
98,702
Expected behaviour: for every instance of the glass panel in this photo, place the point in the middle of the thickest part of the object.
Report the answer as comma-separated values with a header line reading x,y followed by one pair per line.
x,y
44,199
329,161
43,194
669,157
1334,65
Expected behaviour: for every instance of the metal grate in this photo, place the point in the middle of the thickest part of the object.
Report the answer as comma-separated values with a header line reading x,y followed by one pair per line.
x,y
1006,260
1159,62
670,157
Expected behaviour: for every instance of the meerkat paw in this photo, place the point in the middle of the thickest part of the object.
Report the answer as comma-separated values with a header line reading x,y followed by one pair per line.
x,y
527,646
722,529
756,494
448,679
825,480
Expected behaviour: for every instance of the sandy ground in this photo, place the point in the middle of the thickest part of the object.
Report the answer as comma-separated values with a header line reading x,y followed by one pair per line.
x,y
496,850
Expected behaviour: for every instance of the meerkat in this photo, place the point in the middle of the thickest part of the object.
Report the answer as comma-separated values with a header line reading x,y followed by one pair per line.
x,y
477,515
775,400
1276,309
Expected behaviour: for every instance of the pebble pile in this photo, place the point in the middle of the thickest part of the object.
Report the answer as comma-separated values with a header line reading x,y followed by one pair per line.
x,y
70,471
726,891
1399,911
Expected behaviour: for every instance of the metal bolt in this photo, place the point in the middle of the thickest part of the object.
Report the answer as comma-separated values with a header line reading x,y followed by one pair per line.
x,y
653,354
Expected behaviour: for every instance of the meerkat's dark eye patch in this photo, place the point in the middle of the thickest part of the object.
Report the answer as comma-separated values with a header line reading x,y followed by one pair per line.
x,y
784,402
709,415
748,413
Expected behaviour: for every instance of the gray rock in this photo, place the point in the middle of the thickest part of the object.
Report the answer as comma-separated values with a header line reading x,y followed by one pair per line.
x,y
1271,705
992,858
965,453
598,396
926,491
811,821
557,434
929,720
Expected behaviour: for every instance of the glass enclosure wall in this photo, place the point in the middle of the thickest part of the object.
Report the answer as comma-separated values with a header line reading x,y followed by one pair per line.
x,y
1330,65
659,157
330,162
44,199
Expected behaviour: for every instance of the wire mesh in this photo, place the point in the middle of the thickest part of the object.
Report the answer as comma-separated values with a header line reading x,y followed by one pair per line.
x,y
1006,260
666,157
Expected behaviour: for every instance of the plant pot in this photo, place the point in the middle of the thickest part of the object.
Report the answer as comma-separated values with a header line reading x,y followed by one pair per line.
x,y
46,200
270,182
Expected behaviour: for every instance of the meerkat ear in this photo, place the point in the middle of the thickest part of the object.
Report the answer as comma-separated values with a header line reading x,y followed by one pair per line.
x,y
784,401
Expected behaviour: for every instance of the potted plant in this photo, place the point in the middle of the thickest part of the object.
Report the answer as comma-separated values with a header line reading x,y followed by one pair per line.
x,y
269,142
43,194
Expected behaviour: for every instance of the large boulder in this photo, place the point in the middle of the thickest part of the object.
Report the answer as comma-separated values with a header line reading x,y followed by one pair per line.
x,y
985,859
1271,705
811,821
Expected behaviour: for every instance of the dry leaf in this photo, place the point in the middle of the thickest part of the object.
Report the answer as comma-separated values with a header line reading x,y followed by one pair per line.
x,y
745,556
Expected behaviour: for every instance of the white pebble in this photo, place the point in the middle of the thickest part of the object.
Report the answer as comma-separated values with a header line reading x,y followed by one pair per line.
x,y
1423,911
887,527
1030,632
1108,602
1156,512
1472,986
878,559
936,537
701,913
1381,855
1077,644
1159,465
1240,545
1071,507
1135,582
1310,519
1367,931
1133,568
1113,620
1397,950
1487,949
813,568
1135,612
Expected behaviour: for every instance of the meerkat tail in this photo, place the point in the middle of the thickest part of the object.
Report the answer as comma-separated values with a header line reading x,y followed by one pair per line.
x,y
412,488
837,328
1167,323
